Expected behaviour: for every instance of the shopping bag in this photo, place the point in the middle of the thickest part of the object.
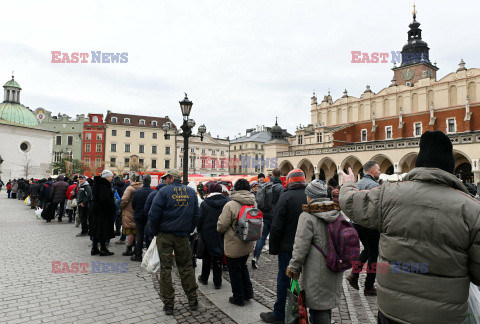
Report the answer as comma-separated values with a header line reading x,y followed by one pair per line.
x,y
38,212
74,203
151,259
473,305
28,201
291,307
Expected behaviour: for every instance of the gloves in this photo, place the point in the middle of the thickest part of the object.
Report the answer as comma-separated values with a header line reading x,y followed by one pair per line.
x,y
292,274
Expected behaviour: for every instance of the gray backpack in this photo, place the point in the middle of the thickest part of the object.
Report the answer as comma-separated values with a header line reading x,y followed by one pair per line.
x,y
250,223
264,197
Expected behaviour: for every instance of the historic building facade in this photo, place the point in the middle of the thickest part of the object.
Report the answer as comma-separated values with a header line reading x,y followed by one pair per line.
x,y
209,157
67,142
25,151
386,126
93,148
138,143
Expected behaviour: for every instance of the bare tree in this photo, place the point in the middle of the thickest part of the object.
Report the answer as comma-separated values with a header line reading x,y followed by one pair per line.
x,y
26,166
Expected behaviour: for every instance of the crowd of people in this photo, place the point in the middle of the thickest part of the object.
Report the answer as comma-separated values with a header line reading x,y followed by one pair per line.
x,y
429,217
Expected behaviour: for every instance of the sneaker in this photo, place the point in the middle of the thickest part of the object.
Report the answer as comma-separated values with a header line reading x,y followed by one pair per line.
x,y
269,318
232,300
255,263
120,242
370,292
168,310
194,306
200,280
353,281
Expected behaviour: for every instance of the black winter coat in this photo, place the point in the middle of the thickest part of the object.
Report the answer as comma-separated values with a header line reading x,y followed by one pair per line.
x,y
138,204
59,190
35,190
45,191
151,196
102,210
285,220
210,210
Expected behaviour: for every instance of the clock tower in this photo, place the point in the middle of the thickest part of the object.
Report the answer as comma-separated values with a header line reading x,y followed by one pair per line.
x,y
415,58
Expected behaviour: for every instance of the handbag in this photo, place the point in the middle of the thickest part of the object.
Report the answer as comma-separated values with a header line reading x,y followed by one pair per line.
x,y
74,203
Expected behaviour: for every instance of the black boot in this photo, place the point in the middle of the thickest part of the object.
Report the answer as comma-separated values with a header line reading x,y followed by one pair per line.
x,y
104,251
95,249
128,251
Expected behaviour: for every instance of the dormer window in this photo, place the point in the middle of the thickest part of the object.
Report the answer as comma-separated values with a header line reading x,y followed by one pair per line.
x,y
154,123
142,122
114,120
94,119
126,120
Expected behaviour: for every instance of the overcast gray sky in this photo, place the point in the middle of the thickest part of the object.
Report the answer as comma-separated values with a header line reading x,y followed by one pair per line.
x,y
241,62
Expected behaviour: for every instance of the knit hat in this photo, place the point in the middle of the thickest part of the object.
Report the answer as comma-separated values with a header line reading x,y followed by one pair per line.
x,y
316,189
296,177
436,152
215,187
260,175
147,180
107,174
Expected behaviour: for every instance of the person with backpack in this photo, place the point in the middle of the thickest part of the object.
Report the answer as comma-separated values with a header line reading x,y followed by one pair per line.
x,y
323,287
368,237
282,237
72,201
58,194
267,197
236,249
9,188
138,204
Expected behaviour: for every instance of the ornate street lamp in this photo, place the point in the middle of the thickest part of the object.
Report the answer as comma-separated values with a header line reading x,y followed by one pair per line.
x,y
188,124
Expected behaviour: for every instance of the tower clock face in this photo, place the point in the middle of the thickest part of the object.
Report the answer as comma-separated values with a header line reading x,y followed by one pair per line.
x,y
408,74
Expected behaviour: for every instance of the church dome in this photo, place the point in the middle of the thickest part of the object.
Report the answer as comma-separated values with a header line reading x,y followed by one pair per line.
x,y
12,83
17,114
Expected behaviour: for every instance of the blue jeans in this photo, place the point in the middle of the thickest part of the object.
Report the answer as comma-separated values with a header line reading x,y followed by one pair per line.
x,y
267,225
283,284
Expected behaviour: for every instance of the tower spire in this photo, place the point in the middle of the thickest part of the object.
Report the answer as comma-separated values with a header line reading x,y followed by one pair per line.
x,y
13,75
276,120
414,11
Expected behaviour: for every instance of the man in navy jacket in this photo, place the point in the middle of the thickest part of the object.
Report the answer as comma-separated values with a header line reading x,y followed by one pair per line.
x,y
172,217
138,204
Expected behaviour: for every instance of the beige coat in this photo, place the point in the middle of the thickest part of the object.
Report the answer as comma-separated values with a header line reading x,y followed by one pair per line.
x,y
126,205
428,218
234,247
323,287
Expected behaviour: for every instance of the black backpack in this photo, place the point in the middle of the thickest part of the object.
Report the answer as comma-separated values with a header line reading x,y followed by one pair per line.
x,y
264,197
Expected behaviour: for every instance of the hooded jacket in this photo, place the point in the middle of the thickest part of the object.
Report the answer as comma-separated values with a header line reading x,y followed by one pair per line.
x,y
284,224
128,220
138,203
323,287
59,190
174,211
428,221
234,247
84,195
210,210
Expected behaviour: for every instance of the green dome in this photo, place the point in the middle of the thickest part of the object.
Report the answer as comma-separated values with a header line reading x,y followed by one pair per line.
x,y
18,114
12,83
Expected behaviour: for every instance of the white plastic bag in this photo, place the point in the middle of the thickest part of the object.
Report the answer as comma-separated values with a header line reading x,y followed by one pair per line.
x,y
474,305
151,259
38,212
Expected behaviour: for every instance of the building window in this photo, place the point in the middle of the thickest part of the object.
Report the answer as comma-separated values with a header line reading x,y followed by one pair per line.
x,y
99,148
127,133
58,140
113,161
192,150
88,136
154,123
140,161
114,132
154,135
300,139
98,160
214,162
234,147
204,163
126,121
87,160
126,161
142,122
417,130
214,152
388,132
154,149
451,125
192,162
141,148
142,134
167,136
113,147
87,148
167,149
57,156
70,140
127,148
94,119
180,163
319,138
222,164
240,147
154,164
203,151
222,152
167,164
364,135
181,150
99,136
114,120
